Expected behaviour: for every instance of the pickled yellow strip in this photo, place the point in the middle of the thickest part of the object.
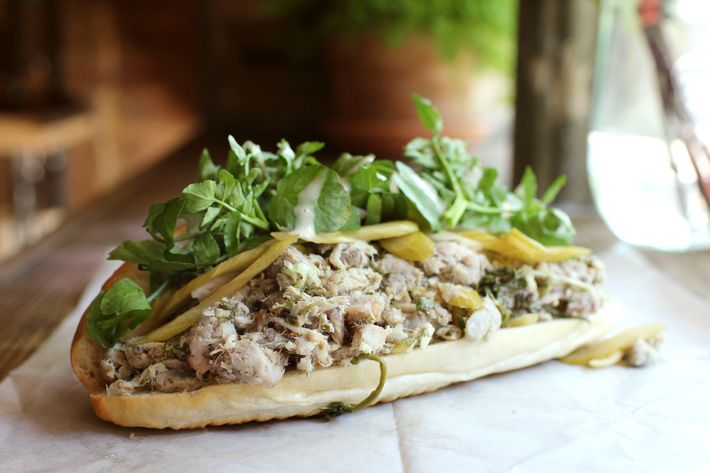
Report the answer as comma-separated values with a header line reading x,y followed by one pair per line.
x,y
461,297
412,247
190,317
607,348
486,239
490,242
522,320
523,250
612,359
516,245
366,233
234,264
550,254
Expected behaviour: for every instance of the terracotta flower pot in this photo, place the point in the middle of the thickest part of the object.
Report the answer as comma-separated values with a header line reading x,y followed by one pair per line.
x,y
370,94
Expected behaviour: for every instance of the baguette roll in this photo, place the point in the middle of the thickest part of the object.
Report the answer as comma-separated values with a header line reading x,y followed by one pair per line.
x,y
302,395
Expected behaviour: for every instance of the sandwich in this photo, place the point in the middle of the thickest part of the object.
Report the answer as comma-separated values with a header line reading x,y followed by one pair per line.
x,y
276,286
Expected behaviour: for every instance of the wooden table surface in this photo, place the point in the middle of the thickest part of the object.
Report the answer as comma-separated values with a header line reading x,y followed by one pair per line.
x,y
41,286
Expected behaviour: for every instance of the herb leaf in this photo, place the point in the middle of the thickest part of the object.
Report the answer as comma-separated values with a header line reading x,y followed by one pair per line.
x,y
151,255
347,165
206,169
551,193
371,190
527,189
428,114
125,296
547,225
112,312
200,195
333,208
206,249
162,219
420,195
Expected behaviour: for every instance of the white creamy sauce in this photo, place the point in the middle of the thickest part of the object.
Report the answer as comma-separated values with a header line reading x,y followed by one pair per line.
x,y
211,286
305,209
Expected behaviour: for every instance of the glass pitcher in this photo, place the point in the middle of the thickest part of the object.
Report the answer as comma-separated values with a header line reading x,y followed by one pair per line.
x,y
646,184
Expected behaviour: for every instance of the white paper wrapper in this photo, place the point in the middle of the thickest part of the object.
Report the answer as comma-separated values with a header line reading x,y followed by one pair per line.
x,y
552,417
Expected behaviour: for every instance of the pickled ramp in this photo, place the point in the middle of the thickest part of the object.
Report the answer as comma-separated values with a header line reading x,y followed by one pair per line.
x,y
190,317
366,233
518,246
234,264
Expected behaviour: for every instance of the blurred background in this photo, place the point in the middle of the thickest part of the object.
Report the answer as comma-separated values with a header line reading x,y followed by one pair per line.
x,y
95,92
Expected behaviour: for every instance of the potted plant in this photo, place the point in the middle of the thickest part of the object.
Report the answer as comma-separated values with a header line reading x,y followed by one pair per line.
x,y
377,52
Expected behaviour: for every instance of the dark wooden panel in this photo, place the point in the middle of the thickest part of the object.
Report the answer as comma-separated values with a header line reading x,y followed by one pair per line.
x,y
556,48
41,286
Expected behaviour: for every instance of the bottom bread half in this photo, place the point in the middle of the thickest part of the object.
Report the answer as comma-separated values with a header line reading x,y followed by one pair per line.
x,y
303,395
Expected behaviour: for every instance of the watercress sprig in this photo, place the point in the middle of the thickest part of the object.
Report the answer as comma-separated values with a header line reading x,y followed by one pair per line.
x,y
471,194
116,310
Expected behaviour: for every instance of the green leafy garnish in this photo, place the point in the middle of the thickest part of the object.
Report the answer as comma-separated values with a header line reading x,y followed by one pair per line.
x,y
444,161
547,225
428,114
116,310
371,191
471,194
221,213
421,197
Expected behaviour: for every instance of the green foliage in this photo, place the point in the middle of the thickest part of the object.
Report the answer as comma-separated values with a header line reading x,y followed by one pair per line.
x,y
113,312
221,213
424,204
486,27
371,191
471,195
549,226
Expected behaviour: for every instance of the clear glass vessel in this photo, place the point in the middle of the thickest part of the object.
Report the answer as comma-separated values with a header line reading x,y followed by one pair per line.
x,y
642,178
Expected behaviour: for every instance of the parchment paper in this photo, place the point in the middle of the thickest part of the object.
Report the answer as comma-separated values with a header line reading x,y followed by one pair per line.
x,y
548,418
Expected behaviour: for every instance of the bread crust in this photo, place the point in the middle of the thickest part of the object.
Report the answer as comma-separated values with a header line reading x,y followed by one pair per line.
x,y
302,395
